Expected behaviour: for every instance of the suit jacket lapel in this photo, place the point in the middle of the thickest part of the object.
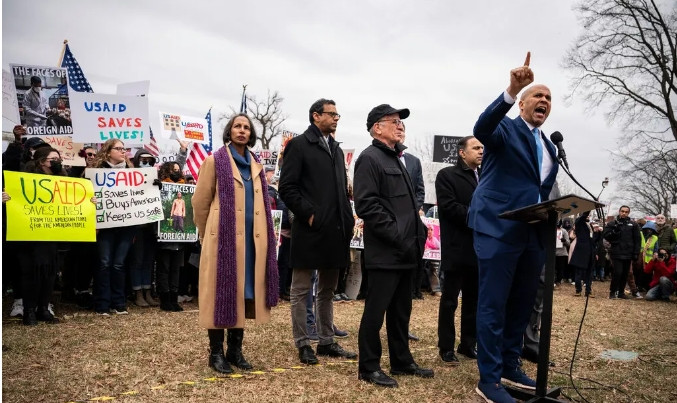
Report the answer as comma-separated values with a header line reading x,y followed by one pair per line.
x,y
531,140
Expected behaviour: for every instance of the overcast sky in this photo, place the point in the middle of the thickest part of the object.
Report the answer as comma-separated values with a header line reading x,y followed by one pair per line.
x,y
444,60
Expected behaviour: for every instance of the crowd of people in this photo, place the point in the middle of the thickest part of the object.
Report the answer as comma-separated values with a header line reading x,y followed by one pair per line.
x,y
494,263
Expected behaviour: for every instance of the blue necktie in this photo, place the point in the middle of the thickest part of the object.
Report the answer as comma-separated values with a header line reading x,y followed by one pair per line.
x,y
539,154
539,148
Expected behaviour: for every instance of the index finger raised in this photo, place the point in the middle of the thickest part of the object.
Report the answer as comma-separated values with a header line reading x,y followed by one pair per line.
x,y
528,59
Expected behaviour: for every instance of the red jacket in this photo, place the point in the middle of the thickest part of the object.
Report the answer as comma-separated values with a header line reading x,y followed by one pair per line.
x,y
660,269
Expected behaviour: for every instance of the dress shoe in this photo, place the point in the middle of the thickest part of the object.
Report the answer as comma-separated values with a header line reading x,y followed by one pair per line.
x,y
468,352
413,369
306,355
29,318
334,350
413,337
44,315
494,392
449,357
377,378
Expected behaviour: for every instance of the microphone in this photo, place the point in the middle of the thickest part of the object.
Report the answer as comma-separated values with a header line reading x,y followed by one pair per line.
x,y
557,138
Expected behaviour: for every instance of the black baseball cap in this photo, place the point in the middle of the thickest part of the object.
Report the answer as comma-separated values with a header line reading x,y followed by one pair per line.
x,y
384,110
35,143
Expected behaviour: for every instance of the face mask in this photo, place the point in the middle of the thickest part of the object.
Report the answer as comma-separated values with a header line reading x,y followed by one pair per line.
x,y
36,89
175,176
56,166
143,164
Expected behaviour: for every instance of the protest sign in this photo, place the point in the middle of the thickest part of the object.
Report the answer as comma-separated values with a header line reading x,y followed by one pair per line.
x,y
445,149
177,206
286,137
357,241
430,170
268,158
10,103
277,228
354,276
45,108
125,196
49,208
68,150
100,117
136,88
348,154
184,128
432,242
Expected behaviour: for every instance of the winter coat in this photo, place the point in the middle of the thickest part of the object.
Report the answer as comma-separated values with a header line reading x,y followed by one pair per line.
x,y
206,216
623,235
454,187
313,182
583,253
394,235
666,238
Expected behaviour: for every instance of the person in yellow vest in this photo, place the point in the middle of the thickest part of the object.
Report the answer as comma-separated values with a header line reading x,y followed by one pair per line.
x,y
649,240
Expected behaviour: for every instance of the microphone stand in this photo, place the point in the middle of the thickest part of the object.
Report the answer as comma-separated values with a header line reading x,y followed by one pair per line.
x,y
599,210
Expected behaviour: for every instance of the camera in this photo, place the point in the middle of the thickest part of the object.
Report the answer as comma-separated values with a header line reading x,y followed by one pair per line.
x,y
662,256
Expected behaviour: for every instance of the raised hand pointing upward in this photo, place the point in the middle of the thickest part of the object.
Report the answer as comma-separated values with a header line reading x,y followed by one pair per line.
x,y
520,77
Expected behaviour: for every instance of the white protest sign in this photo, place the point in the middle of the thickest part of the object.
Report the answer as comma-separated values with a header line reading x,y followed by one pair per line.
x,y
125,196
100,117
184,128
268,158
430,170
10,103
136,88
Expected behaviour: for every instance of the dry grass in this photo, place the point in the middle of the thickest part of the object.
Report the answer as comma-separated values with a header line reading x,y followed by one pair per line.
x,y
162,357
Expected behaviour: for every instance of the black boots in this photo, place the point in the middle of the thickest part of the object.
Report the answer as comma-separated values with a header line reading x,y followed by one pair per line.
x,y
234,351
217,360
169,301
174,300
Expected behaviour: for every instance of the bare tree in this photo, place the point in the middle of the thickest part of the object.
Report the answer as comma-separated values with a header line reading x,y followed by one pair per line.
x,y
626,60
649,183
266,114
422,147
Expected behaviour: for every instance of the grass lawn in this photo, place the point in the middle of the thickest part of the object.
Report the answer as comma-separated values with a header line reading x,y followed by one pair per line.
x,y
155,356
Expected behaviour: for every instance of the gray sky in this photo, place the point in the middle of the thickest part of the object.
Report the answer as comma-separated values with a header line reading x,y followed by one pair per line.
x,y
444,60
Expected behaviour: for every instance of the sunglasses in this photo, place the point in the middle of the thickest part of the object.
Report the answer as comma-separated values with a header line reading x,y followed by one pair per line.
x,y
91,154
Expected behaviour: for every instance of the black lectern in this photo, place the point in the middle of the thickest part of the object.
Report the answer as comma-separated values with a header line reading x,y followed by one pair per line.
x,y
549,212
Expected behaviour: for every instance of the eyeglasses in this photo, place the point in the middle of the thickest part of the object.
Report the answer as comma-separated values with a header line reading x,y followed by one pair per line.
x,y
334,115
121,149
91,154
396,122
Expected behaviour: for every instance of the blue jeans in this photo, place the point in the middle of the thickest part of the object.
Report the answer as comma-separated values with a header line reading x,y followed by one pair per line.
x,y
661,291
142,257
109,279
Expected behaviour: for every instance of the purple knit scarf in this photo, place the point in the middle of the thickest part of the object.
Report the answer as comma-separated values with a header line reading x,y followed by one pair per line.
x,y
225,309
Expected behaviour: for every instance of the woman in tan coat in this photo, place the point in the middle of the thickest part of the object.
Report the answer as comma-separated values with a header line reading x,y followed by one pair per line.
x,y
238,266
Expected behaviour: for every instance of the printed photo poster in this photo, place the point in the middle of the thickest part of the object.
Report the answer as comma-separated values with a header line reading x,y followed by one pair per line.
x,y
177,206
185,128
286,137
277,228
357,241
101,117
49,208
125,196
42,95
432,242
68,149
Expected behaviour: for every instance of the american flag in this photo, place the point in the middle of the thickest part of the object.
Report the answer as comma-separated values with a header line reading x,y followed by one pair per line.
x,y
76,78
152,146
200,151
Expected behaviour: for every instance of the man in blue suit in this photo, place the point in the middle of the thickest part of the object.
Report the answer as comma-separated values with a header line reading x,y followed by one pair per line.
x,y
518,169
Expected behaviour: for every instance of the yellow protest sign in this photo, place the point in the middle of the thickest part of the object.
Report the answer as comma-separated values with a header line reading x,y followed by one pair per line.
x,y
49,208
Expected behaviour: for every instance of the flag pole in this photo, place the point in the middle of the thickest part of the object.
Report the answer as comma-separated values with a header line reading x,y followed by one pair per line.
x,y
63,51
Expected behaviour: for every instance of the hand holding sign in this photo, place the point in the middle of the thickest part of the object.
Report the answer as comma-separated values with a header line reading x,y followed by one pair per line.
x,y
520,77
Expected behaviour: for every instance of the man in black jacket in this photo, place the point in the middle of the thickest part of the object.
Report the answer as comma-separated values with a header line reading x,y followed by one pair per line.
x,y
623,234
313,186
394,237
455,186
